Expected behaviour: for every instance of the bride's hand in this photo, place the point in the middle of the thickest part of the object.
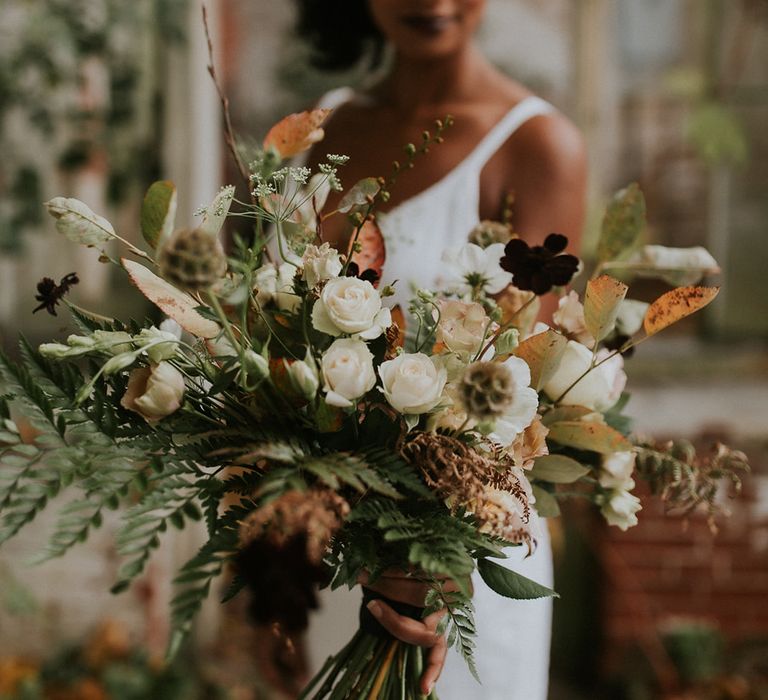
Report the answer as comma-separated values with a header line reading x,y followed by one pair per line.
x,y
397,585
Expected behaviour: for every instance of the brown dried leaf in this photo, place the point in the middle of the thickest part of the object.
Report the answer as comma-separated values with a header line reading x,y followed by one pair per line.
x,y
174,303
675,305
373,252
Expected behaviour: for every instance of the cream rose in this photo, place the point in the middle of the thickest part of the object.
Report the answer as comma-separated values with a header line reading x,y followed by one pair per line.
x,y
347,369
320,264
413,382
352,306
154,392
462,326
616,471
303,376
598,390
273,282
620,508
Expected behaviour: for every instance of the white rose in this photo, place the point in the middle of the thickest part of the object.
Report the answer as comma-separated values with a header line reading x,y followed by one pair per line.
x,y
616,471
347,368
154,392
413,382
462,326
274,282
159,345
619,509
598,390
320,264
569,317
303,376
350,305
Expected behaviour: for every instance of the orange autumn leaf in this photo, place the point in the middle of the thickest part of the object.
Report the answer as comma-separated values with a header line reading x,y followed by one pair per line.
x,y
297,132
372,253
675,305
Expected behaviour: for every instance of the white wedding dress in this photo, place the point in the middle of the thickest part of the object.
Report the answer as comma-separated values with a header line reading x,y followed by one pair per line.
x,y
513,636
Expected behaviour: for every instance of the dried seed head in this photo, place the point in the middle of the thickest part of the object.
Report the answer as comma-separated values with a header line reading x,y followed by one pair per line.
x,y
316,514
488,232
486,390
192,260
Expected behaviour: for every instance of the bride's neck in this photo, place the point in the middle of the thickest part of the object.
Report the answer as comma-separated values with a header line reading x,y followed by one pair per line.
x,y
414,84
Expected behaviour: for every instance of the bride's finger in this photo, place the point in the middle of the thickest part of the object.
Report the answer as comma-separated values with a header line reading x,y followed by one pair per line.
x,y
435,663
403,628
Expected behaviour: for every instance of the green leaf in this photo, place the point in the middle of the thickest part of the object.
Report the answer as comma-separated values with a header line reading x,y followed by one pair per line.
x,y
510,584
158,212
587,435
557,469
601,305
546,503
565,413
78,222
623,222
359,194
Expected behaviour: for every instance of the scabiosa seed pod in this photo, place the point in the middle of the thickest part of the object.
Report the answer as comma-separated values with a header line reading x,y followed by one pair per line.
x,y
489,232
486,390
192,259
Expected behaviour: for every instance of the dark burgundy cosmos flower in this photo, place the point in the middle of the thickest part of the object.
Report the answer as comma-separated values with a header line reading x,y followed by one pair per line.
x,y
370,275
539,268
49,294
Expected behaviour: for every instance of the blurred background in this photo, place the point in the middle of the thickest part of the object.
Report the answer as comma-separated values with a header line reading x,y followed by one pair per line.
x,y
98,98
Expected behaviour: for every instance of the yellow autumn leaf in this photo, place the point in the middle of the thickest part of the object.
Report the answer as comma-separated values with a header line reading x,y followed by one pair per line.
x,y
601,305
584,435
675,305
542,352
297,132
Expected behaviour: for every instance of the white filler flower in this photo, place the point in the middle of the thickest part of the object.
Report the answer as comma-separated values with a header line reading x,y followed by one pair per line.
x,y
522,409
475,269
154,392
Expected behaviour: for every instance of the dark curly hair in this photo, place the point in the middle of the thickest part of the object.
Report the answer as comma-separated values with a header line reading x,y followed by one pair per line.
x,y
340,33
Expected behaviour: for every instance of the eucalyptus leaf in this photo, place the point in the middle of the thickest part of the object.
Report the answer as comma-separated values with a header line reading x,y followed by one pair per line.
x,y
546,503
158,212
359,194
510,584
623,222
78,222
557,469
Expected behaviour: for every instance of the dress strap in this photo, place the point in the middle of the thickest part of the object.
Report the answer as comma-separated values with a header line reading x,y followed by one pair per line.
x,y
523,111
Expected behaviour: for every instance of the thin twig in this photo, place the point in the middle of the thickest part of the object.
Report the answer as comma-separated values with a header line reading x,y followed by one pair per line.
x,y
229,134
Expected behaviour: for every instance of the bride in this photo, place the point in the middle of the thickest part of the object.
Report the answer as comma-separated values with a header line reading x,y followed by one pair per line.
x,y
505,140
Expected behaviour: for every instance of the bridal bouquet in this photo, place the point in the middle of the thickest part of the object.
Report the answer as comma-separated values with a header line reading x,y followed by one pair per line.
x,y
322,436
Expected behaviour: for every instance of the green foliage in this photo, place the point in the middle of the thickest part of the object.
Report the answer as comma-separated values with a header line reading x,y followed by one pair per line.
x,y
458,623
622,225
511,584
718,135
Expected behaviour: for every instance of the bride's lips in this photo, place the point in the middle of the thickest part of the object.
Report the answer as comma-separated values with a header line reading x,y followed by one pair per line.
x,y
429,25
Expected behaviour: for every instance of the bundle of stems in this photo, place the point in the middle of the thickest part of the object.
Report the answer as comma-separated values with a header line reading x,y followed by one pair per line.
x,y
371,667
